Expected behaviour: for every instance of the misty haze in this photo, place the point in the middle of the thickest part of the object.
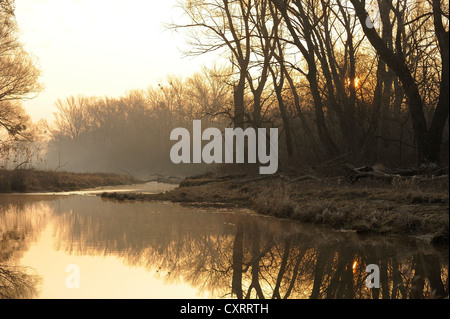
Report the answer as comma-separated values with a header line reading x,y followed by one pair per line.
x,y
224,149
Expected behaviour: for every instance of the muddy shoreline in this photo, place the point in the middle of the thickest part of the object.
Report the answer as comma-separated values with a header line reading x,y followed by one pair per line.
x,y
407,207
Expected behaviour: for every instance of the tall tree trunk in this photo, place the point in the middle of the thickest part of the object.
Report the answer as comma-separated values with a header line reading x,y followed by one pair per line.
x,y
433,140
284,116
318,274
239,103
322,129
238,252
329,68
306,128
282,270
428,141
256,258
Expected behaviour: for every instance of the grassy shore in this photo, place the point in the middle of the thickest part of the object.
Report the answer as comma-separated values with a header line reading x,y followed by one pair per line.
x,y
32,181
405,207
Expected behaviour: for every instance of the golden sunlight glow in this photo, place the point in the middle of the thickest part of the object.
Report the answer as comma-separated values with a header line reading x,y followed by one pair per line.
x,y
106,277
357,82
355,264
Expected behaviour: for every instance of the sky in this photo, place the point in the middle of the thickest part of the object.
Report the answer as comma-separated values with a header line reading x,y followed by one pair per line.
x,y
100,47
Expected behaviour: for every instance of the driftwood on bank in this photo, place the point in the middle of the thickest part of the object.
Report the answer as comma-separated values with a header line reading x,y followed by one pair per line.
x,y
418,175
355,174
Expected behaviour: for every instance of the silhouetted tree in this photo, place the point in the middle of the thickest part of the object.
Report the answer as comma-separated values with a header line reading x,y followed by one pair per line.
x,y
18,80
428,137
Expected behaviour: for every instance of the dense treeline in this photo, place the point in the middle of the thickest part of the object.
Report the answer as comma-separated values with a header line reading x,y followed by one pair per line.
x,y
377,83
362,80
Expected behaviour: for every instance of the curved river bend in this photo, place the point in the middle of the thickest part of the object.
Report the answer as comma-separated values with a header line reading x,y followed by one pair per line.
x,y
78,245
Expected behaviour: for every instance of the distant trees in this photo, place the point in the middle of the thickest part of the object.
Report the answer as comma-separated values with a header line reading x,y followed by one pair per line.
x,y
18,80
131,133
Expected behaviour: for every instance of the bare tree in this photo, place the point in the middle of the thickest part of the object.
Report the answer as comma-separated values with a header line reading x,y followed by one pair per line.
x,y
222,24
428,137
302,32
18,80
18,71
72,118
17,283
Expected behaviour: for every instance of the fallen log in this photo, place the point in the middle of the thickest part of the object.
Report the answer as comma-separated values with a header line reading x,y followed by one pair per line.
x,y
355,174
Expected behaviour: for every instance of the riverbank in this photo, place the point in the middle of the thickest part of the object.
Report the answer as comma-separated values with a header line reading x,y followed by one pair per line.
x,y
31,181
412,206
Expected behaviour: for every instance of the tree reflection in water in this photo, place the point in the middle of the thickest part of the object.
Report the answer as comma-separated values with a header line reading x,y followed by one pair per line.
x,y
21,219
18,283
225,254
239,255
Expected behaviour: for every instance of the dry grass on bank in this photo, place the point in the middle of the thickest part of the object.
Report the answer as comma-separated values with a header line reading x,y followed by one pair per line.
x,y
22,181
403,207
361,208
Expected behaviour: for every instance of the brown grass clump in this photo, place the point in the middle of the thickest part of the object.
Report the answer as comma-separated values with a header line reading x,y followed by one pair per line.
x,y
21,181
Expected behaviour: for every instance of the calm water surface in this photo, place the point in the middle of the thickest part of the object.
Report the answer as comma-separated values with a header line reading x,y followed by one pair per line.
x,y
164,250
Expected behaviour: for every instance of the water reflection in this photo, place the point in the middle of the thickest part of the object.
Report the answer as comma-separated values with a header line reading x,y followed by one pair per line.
x,y
18,283
20,222
225,254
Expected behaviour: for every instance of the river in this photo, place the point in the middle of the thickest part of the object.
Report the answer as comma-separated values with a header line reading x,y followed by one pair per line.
x,y
80,246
